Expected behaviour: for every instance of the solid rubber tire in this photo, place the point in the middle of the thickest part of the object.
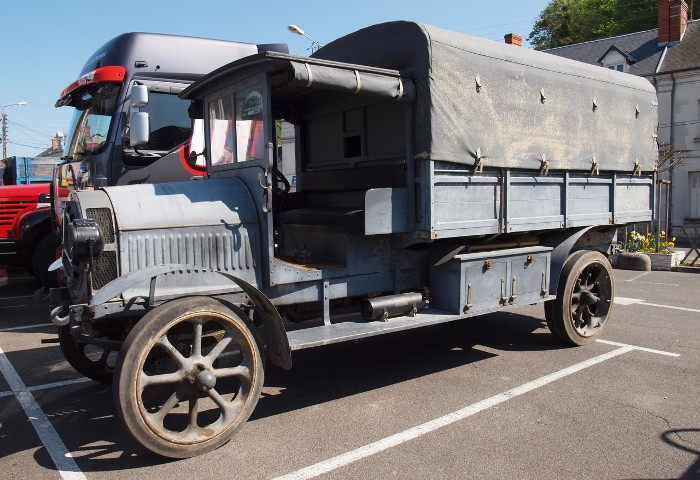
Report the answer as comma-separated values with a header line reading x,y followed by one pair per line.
x,y
563,327
72,350
148,328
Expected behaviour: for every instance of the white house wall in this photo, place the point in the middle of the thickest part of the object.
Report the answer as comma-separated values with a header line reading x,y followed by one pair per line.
x,y
683,131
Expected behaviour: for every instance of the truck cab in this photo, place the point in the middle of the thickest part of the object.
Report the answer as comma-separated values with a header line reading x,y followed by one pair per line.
x,y
99,150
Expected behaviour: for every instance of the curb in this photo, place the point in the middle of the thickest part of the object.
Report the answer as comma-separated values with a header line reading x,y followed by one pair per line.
x,y
685,269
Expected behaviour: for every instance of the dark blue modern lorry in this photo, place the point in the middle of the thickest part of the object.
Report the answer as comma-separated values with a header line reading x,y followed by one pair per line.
x,y
439,176
154,68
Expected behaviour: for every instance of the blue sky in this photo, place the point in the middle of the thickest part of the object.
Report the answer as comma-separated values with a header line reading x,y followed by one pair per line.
x,y
45,43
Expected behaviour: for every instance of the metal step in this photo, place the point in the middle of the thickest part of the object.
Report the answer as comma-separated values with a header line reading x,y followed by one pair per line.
x,y
354,330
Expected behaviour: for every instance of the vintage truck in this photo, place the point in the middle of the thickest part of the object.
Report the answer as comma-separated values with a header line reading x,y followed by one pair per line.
x,y
440,176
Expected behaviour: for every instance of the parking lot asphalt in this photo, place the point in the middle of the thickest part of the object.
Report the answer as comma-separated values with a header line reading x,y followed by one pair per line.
x,y
493,396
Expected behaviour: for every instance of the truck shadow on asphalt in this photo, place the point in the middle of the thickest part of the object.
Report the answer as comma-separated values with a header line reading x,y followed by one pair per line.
x,y
686,439
83,414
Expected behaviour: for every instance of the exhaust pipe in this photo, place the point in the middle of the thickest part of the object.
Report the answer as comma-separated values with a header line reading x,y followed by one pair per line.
x,y
383,308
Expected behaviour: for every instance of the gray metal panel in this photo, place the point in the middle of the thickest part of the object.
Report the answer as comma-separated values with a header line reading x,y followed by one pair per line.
x,y
341,332
533,203
485,281
633,200
386,211
464,201
224,201
232,251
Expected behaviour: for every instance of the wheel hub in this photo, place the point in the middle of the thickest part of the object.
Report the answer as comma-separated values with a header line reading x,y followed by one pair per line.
x,y
204,380
588,298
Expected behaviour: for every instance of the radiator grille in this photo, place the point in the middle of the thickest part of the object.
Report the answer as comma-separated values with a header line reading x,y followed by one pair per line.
x,y
103,217
104,269
10,210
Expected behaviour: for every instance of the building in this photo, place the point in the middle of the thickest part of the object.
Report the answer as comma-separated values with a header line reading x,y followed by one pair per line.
x,y
56,149
669,57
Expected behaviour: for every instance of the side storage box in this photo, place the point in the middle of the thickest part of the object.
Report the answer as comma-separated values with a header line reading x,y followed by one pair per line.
x,y
485,281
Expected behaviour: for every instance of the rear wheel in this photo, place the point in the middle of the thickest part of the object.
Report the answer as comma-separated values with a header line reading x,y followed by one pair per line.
x,y
582,308
96,363
188,377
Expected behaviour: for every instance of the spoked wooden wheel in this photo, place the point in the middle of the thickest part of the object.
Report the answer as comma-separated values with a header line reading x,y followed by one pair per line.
x,y
585,294
188,377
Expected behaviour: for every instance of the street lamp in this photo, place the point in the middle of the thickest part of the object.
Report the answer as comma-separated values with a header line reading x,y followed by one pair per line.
x,y
4,125
314,44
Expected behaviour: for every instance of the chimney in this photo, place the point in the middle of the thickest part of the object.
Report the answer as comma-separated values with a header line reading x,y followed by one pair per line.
x,y
515,39
57,141
673,17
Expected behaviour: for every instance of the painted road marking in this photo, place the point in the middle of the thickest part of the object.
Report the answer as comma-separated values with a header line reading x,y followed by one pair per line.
x,y
428,427
25,327
48,386
643,349
63,383
649,283
55,447
637,301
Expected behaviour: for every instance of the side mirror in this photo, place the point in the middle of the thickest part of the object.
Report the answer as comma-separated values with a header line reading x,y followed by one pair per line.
x,y
139,97
139,129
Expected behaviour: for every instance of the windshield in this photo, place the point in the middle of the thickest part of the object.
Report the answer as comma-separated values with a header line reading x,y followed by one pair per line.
x,y
91,120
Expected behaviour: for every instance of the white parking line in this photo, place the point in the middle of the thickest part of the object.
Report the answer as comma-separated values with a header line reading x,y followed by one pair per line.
x,y
643,349
64,383
637,301
25,327
420,430
55,447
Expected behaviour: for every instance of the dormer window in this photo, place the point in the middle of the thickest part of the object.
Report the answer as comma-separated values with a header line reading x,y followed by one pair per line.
x,y
620,67
616,59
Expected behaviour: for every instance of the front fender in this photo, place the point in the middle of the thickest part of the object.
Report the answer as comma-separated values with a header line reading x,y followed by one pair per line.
x,y
32,226
280,352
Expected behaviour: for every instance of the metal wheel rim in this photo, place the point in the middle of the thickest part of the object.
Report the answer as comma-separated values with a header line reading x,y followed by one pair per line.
x,y
185,384
100,359
590,300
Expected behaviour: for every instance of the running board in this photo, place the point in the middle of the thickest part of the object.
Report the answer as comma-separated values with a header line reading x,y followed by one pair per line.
x,y
354,330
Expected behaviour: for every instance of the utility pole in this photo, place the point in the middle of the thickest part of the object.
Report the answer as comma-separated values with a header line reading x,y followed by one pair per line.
x,y
4,136
4,125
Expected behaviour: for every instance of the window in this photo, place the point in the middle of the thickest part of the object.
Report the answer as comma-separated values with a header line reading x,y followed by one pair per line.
x,y
620,67
250,129
170,124
236,125
220,134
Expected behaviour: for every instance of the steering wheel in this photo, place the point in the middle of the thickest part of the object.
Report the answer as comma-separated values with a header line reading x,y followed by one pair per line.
x,y
277,179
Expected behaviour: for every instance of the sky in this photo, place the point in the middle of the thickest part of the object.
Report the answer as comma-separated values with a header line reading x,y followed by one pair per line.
x,y
46,44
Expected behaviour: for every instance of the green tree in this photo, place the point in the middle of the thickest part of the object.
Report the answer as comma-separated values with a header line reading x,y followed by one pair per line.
x,y
564,22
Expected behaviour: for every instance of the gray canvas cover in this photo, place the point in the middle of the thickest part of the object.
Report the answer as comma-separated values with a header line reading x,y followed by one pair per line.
x,y
507,106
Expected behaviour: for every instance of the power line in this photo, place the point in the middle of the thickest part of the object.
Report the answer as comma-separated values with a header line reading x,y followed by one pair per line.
x,y
27,128
38,147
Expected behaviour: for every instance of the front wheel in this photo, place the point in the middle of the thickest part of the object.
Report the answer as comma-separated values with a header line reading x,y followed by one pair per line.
x,y
188,377
582,308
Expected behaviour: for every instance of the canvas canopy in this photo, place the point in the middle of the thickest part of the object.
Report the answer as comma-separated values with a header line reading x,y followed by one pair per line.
x,y
506,106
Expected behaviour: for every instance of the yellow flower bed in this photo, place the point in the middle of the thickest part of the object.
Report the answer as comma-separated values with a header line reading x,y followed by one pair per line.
x,y
647,243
